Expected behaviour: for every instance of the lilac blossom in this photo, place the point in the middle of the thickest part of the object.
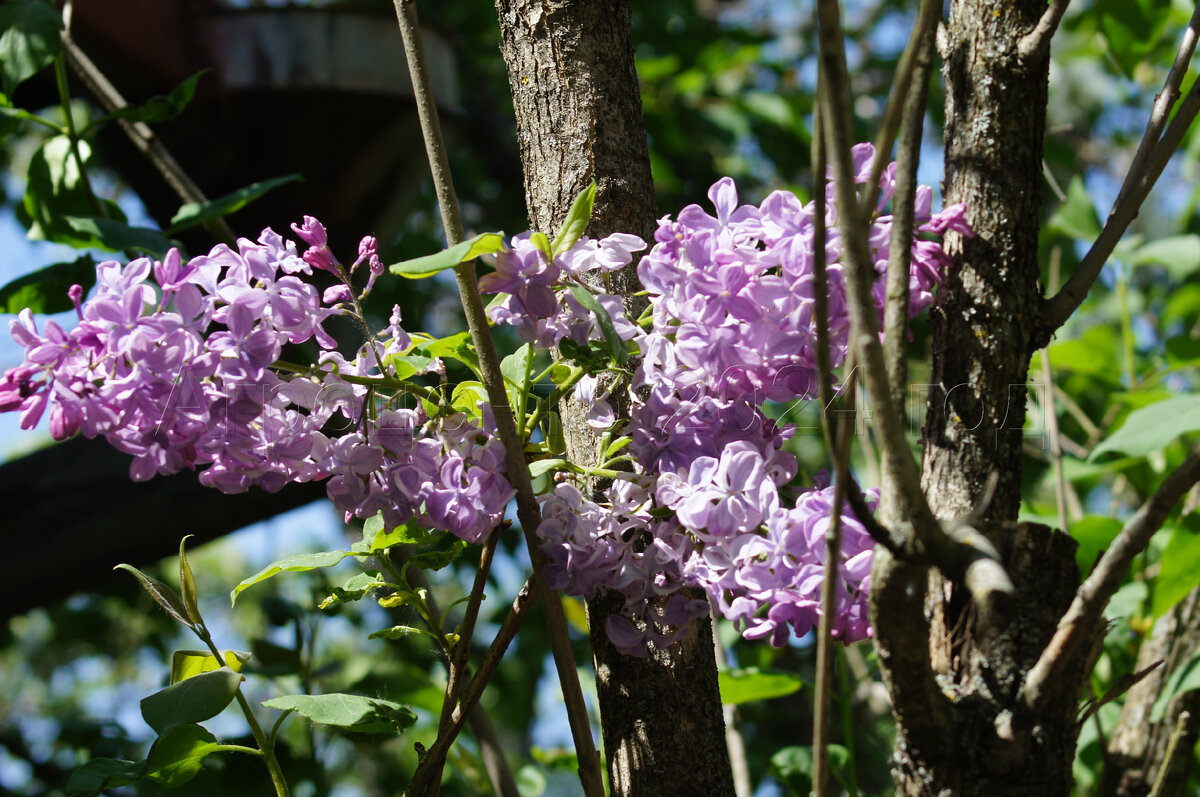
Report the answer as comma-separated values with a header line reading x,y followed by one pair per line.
x,y
182,375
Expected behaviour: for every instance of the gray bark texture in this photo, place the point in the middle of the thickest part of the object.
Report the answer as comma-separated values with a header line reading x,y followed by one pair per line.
x,y
954,675
579,118
1138,746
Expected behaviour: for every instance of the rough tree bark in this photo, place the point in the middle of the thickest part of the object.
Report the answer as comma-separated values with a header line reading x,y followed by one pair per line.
x,y
1138,746
955,676
579,118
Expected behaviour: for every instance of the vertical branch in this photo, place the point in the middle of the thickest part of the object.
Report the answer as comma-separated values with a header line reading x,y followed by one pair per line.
x,y
528,511
833,538
895,317
1056,453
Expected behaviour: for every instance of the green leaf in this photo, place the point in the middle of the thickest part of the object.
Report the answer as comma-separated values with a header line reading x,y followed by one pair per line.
x,y
187,584
171,603
178,755
45,290
457,347
1096,353
515,367
544,466
400,632
55,191
467,397
408,534
354,589
160,108
1179,569
104,773
556,441
616,445
29,40
1077,218
576,221
485,243
1133,28
436,560
294,564
188,663
1179,253
195,213
1151,428
1094,534
1128,601
117,236
407,365
348,712
615,344
196,699
751,683
1183,350
793,765
531,782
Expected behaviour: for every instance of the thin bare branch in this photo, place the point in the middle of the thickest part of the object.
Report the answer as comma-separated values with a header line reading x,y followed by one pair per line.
x,y
1123,685
837,447
1036,43
896,311
1175,750
512,623
456,664
1056,451
912,72
1094,594
517,472
952,554
1153,152
490,750
142,137
742,784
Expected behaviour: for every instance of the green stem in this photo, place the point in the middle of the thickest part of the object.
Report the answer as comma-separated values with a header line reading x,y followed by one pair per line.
x,y
265,747
552,400
237,748
384,382
64,99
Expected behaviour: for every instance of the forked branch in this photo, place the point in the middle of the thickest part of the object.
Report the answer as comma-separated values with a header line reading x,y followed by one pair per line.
x,y
976,567
1095,592
1153,153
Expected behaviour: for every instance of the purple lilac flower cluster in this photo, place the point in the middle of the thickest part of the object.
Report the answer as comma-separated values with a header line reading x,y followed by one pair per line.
x,y
733,325
178,372
536,304
184,373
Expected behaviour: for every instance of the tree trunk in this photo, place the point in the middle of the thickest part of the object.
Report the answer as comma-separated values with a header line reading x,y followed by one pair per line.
x,y
1137,747
960,726
579,118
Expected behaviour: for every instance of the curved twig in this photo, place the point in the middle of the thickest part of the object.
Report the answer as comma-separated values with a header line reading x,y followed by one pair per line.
x,y
1094,594
1148,163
